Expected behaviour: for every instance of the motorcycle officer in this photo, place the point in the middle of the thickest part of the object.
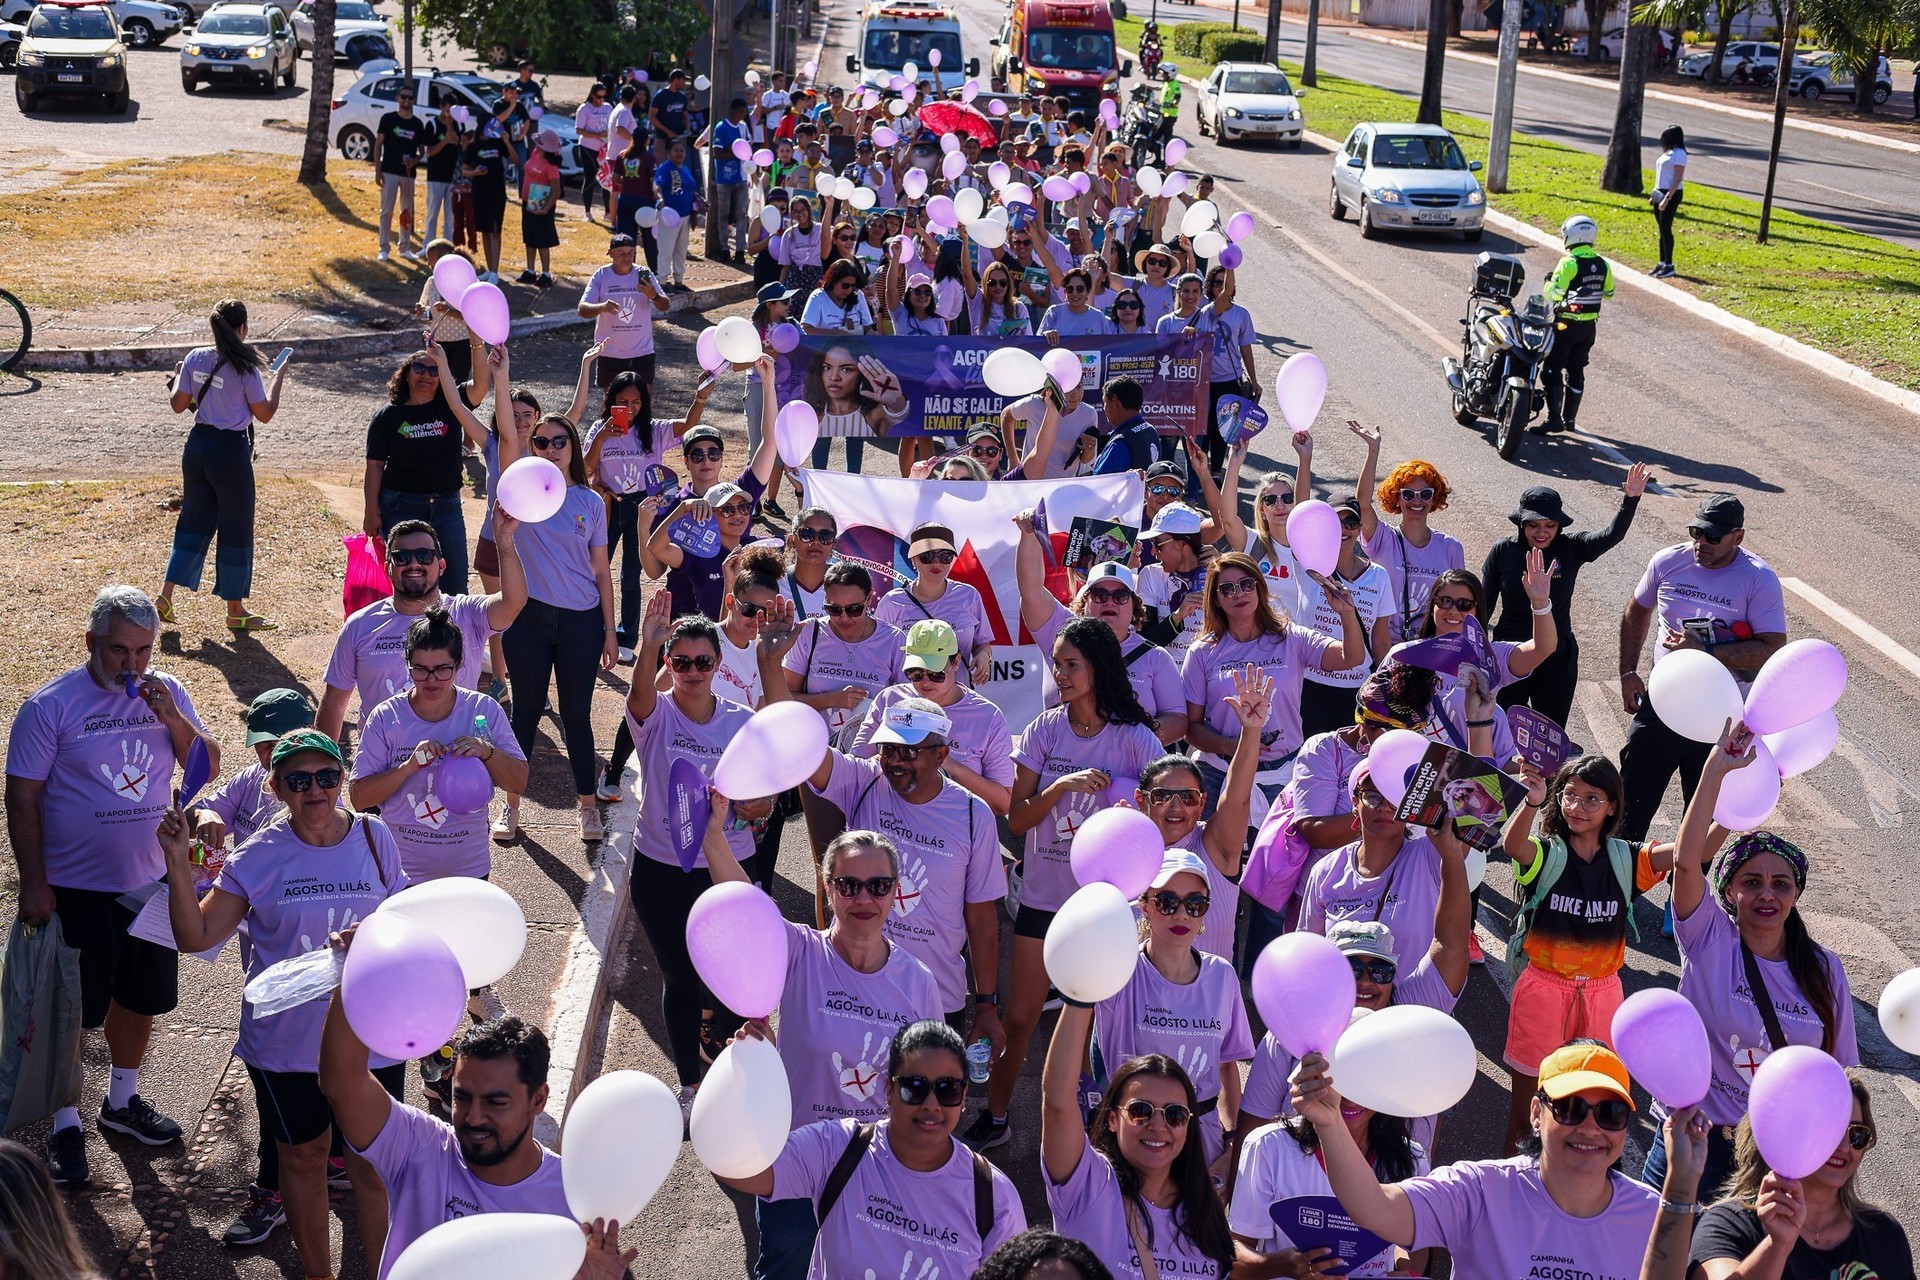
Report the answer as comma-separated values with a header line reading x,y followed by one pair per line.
x,y
1170,101
1577,287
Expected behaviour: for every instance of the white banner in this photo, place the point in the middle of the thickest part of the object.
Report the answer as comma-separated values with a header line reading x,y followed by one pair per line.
x,y
875,514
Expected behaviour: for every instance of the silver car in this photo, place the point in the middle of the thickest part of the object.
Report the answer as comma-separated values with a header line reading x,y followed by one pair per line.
x,y
1407,177
240,44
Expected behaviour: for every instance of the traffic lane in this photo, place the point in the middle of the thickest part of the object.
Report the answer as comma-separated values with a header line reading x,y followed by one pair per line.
x,y
1851,184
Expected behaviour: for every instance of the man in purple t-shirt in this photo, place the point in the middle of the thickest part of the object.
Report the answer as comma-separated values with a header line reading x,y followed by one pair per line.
x,y
1709,593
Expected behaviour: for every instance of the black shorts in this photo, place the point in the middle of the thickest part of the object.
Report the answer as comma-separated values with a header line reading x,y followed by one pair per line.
x,y
115,967
294,1111
1032,922
612,367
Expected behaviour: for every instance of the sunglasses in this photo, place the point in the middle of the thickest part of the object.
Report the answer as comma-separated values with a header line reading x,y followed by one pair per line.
x,y
705,455
920,675
1140,1111
417,555
1168,903
1239,587
1284,498
948,1091
879,888
748,609
1610,1114
552,442
1416,495
1861,1136
1374,970
442,672
1174,795
1459,604
985,451
1164,490
1349,522
844,610
823,536
422,370
684,663
1104,595
1076,288
843,235
935,557
1701,535
305,780
1126,306
997,282
734,510
900,751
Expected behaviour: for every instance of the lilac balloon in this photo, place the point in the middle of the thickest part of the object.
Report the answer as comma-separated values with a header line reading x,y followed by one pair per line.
x,y
1303,987
1804,746
452,276
531,490
1659,1035
1300,389
707,353
1081,182
969,91
1240,226
1120,847
1231,257
1749,795
1313,531
909,93
1392,757
1802,679
895,83
743,149
485,310
1174,185
1800,1106
885,136
670,217
954,165
1120,791
402,987
774,751
763,157
949,142
914,184
783,337
1176,151
998,174
940,212
903,249
1058,188
463,784
738,944
933,57
795,431
996,107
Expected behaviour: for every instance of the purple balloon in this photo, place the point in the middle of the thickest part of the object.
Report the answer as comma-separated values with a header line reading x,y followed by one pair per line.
x,y
1240,226
1303,987
1120,847
783,337
1800,1106
707,352
743,149
1081,182
1121,788
996,107
1313,532
463,784
1231,257
402,987
739,947
670,218
1300,388
763,157
940,212
1659,1035
1749,795
1798,749
485,310
688,808
1801,680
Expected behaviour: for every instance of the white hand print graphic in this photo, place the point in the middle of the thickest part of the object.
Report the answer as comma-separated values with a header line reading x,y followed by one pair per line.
x,y
929,1269
430,810
907,889
129,781
338,920
1199,1060
628,475
391,687
863,1077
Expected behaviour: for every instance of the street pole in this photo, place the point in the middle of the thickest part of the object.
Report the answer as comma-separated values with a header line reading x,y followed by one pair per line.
x,y
720,95
1236,15
1273,32
1502,140
1789,33
406,19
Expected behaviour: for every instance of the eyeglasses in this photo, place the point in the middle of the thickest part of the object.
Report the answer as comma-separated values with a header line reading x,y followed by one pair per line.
x,y
325,779
823,536
1281,498
1168,903
1372,799
1175,795
1372,969
552,442
1140,1111
920,675
734,510
1611,1114
442,672
1239,587
705,455
1164,490
1459,604
1569,800
844,610
1104,595
1861,1136
879,888
403,556
900,751
935,557
684,663
948,1091
1416,495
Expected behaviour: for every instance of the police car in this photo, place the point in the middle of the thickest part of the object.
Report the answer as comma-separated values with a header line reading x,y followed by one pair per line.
x,y
71,49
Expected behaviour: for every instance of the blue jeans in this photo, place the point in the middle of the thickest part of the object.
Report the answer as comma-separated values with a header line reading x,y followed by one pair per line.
x,y
216,472
623,530
442,511
787,1232
1720,1162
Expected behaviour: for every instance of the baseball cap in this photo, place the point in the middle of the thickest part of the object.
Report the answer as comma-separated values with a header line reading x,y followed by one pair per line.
x,y
1575,1068
1364,938
1113,571
722,493
911,722
1345,502
1176,518
1177,861
917,279
299,740
931,644
1719,514
276,713
983,431
1167,469
929,537
701,432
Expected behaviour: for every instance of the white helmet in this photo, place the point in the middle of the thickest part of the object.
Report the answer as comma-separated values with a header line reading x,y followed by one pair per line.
x,y
1579,229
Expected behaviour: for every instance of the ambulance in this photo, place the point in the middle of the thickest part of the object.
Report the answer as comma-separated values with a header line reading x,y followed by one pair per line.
x,y
1061,49
896,32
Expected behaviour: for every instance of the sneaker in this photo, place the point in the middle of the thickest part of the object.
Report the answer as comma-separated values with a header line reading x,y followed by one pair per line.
x,y
257,1221
1474,954
484,1006
545,281
626,656
382,256
489,277
986,1133
687,1092
139,1120
527,277
336,1175
591,828
608,792
711,1045
773,508
67,1155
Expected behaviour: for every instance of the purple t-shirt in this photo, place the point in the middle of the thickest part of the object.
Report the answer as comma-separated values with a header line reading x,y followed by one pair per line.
x,y
296,895
1320,774
1154,674
829,663
959,606
428,1183
370,654
1411,571
1496,1219
557,553
225,394
108,765
1207,680
1714,978
627,332
1089,1206
1676,588
244,802
891,1220
1053,750
1404,898
695,583
836,1025
434,841
668,735
623,462
980,739
1371,592
949,857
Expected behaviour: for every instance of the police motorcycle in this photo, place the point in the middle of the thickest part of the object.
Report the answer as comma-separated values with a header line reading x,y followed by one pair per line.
x,y
1502,350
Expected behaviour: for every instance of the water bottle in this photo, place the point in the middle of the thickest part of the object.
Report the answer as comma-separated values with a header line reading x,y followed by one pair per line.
x,y
481,729
979,1060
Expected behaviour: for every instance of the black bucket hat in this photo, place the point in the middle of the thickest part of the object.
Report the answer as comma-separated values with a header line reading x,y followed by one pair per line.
x,y
1540,503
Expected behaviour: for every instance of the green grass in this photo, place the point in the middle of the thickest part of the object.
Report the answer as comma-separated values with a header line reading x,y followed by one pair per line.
x,y
1851,294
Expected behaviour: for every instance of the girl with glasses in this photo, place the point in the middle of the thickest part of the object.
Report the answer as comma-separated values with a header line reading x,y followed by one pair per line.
x,y
909,1170
1068,760
871,251
979,746
994,308
1075,317
1131,1182
1413,554
1156,265
933,594
754,584
1127,312
1265,538
809,554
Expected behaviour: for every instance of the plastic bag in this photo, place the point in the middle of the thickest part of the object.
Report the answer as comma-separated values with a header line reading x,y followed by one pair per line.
x,y
40,1069
366,573
293,982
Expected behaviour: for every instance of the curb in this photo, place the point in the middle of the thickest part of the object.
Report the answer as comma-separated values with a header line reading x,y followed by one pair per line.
x,y
343,346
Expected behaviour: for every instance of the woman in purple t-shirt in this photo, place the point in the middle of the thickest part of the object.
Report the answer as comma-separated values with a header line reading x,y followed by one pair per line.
x,y
933,594
1385,875
1414,554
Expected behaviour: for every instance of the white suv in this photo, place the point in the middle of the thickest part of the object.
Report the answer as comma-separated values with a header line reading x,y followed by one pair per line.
x,y
356,113
359,34
240,44
143,23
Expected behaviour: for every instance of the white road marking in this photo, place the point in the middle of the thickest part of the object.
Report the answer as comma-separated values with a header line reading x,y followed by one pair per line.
x,y
1885,644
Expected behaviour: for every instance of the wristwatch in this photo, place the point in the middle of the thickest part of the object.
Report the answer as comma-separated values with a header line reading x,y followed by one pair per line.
x,y
988,997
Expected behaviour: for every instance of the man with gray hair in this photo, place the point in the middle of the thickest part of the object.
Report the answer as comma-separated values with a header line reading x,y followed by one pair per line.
x,y
90,766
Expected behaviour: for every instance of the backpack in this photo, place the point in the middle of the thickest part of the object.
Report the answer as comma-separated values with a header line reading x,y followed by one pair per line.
x,y
1538,880
856,1151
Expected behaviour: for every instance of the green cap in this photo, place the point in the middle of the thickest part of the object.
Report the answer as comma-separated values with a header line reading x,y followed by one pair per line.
x,y
292,744
931,644
276,713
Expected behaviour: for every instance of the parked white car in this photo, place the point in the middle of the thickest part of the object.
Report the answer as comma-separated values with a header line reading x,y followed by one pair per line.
x,y
1758,52
1249,100
1410,177
143,23
360,35
356,113
1612,40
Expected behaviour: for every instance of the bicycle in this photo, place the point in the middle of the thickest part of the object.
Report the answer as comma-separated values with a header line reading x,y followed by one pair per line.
x,y
16,330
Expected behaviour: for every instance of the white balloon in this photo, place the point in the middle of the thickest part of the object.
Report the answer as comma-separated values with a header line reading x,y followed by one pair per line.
x,y
753,77
843,188
998,174
997,214
1017,193
737,340
770,218
477,919
1148,180
1694,695
1064,367
910,72
620,1139
863,198
968,204
1013,372
1900,1010
701,84
743,1110
1404,1060
988,233
949,142
496,1246
897,108
1092,944
1201,215
646,216
1476,867
825,182
1208,244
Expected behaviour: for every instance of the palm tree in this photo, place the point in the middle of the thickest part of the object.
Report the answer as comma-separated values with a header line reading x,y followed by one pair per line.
x,y
1436,69
1638,52
313,159
1859,31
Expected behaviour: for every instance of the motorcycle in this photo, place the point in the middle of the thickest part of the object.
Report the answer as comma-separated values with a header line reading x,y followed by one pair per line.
x,y
1143,130
1150,56
1502,351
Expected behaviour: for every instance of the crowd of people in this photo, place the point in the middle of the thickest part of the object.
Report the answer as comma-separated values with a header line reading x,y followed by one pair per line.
x,y
1205,679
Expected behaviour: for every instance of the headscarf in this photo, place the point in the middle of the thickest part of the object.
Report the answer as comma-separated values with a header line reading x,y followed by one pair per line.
x,y
1727,863
1398,696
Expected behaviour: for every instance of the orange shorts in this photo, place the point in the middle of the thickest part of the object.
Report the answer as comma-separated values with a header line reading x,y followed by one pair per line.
x,y
1549,1010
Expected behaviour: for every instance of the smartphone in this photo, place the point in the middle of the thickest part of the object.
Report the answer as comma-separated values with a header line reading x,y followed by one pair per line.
x,y
705,383
620,417
1700,629
280,360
